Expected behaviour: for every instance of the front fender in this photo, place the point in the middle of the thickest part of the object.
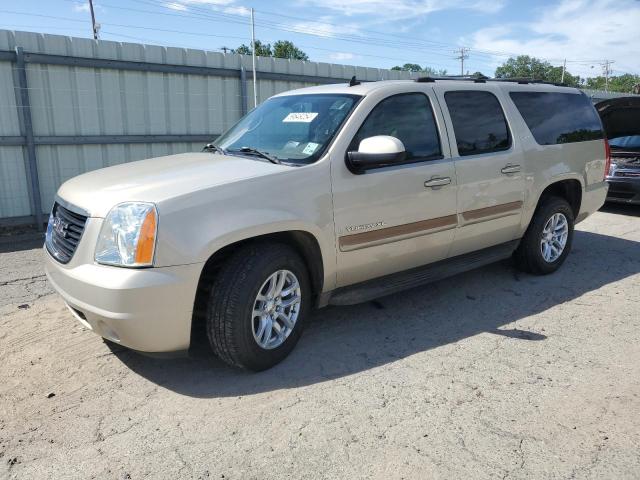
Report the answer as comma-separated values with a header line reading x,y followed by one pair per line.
x,y
193,227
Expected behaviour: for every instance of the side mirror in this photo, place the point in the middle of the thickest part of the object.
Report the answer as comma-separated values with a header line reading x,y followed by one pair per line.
x,y
376,152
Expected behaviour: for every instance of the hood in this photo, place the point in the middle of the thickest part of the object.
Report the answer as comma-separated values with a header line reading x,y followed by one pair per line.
x,y
158,179
620,116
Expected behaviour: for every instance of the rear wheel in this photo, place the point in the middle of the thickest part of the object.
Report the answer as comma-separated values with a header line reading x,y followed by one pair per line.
x,y
547,241
257,306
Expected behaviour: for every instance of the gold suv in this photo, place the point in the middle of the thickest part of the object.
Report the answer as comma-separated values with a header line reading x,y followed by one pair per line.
x,y
326,195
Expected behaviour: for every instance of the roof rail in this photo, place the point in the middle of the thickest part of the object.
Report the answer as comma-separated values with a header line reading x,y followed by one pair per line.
x,y
525,80
453,77
483,79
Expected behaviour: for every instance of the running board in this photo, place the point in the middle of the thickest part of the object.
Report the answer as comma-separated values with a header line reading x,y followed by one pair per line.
x,y
397,282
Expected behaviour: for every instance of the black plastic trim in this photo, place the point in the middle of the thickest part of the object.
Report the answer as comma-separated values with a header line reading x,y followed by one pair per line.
x,y
397,282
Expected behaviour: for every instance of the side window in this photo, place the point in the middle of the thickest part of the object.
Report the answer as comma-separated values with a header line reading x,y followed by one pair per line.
x,y
555,117
478,122
409,118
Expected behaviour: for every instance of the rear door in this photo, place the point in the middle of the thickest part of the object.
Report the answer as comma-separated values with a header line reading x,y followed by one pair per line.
x,y
488,163
401,216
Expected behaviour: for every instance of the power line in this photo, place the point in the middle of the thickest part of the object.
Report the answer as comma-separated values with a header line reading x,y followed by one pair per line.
x,y
433,48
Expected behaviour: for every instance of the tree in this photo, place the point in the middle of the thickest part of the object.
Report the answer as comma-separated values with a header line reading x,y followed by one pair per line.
x,y
524,66
286,49
408,67
621,83
432,72
414,67
281,49
262,49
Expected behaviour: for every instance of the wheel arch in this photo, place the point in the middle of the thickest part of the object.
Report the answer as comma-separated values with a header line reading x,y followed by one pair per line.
x,y
303,242
569,189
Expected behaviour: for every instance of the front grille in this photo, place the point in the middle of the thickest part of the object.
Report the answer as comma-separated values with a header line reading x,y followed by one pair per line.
x,y
64,233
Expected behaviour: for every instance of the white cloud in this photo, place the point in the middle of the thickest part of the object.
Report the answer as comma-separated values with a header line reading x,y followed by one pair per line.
x,y
244,11
342,56
176,6
582,31
208,2
81,8
225,6
321,29
404,9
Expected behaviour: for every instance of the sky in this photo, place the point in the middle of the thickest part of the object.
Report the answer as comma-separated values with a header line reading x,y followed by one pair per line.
x,y
373,33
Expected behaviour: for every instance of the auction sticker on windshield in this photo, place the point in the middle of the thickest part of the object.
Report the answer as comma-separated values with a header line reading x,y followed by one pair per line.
x,y
310,148
303,117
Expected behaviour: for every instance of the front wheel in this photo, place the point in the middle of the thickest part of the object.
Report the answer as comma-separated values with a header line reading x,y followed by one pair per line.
x,y
548,239
257,307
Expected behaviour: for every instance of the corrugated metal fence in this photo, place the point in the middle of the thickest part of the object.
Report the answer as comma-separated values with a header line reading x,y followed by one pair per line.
x,y
70,105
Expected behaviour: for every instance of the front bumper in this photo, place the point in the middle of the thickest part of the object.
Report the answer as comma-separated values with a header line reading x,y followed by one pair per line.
x,y
148,309
624,189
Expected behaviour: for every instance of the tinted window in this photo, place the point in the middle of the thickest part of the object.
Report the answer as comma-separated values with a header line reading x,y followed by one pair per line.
x,y
478,122
408,117
558,117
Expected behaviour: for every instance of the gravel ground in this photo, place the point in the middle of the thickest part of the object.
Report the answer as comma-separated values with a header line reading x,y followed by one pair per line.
x,y
488,374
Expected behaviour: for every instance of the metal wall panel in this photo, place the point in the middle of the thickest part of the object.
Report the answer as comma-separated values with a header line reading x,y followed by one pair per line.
x,y
70,100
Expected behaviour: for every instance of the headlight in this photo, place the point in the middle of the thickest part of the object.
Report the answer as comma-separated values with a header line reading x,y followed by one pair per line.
x,y
128,235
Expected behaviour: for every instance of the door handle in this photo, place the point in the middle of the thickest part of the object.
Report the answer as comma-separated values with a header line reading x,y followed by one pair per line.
x,y
510,169
437,182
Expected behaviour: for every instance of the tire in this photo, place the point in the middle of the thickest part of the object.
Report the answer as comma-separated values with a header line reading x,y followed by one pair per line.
x,y
529,255
229,316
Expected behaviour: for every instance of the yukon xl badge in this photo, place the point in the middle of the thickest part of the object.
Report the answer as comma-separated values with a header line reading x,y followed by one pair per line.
x,y
366,226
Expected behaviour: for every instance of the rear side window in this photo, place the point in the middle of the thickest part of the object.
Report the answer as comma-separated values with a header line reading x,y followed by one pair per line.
x,y
558,117
478,122
409,118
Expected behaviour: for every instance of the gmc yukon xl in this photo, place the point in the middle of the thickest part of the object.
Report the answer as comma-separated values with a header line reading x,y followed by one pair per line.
x,y
333,194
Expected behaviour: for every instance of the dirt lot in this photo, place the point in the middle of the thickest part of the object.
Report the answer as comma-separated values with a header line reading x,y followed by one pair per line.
x,y
488,374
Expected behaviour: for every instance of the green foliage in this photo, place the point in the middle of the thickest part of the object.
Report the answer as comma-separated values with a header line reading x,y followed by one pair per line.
x,y
280,49
621,83
525,66
414,67
286,49
262,49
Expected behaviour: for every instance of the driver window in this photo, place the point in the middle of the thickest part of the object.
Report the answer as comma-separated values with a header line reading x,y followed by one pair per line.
x,y
409,118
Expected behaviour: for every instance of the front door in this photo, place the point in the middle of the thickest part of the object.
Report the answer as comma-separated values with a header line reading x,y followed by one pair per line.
x,y
400,216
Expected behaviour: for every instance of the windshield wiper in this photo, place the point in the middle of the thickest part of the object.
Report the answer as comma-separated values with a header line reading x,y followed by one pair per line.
x,y
253,151
212,147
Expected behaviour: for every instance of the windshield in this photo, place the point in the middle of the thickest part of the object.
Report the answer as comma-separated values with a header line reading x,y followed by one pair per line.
x,y
632,142
295,128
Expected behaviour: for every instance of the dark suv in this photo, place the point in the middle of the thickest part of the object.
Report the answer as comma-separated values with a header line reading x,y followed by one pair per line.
x,y
621,120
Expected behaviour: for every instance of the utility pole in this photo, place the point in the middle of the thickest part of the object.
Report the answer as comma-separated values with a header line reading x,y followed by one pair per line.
x,y
95,26
225,49
564,69
463,55
253,55
606,70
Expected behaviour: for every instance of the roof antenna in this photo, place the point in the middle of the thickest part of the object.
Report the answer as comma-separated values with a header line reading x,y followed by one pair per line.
x,y
353,82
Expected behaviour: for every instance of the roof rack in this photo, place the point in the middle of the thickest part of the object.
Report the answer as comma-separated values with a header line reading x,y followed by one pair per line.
x,y
468,78
524,81
483,79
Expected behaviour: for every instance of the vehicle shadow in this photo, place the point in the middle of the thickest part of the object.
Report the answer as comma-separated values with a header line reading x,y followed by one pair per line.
x,y
621,209
20,242
341,341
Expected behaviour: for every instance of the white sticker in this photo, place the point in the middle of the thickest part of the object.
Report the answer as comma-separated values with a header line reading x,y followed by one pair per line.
x,y
310,148
302,117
